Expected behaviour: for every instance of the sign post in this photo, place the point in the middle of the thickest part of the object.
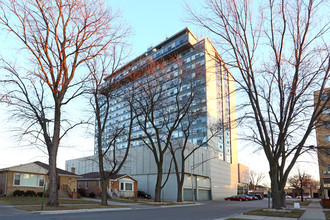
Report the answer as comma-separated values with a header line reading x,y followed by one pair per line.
x,y
43,197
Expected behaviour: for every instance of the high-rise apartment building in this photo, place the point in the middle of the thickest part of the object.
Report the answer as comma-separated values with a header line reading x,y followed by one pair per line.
x,y
323,143
211,171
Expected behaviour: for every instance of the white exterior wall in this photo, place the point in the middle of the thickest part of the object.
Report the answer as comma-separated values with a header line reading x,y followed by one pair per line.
x,y
140,165
223,174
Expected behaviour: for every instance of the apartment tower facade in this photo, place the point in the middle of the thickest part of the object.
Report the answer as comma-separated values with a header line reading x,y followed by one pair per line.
x,y
211,171
323,143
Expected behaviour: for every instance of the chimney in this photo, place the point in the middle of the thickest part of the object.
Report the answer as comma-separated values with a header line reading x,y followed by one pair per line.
x,y
73,170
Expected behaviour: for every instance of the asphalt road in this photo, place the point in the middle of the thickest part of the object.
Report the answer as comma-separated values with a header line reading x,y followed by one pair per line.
x,y
205,210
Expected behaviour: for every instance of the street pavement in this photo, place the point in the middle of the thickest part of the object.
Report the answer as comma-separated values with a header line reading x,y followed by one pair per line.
x,y
202,210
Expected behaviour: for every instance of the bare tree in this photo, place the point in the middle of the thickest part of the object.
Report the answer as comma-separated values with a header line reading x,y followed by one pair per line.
x,y
281,56
255,179
314,184
300,181
58,37
183,148
159,111
103,82
188,101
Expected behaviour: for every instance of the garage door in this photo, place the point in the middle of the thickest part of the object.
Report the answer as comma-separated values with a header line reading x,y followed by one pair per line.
x,y
204,194
187,196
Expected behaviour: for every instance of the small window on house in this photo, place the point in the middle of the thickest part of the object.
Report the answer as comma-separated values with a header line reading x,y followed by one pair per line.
x,y
327,138
129,186
79,186
86,185
122,186
41,181
17,179
328,152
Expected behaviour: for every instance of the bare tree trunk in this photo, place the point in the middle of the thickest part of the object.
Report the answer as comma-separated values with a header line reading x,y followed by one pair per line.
x,y
158,187
283,199
53,180
104,193
52,151
278,193
180,190
104,198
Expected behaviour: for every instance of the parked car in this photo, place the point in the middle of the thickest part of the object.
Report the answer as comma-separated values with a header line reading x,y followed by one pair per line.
x,y
253,197
143,194
259,196
305,197
238,198
288,197
246,198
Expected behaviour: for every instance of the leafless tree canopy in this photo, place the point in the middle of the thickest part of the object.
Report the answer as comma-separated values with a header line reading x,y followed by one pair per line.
x,y
301,181
57,38
255,179
279,54
110,158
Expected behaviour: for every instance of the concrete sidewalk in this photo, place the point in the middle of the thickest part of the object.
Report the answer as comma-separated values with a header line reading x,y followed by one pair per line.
x,y
313,212
129,206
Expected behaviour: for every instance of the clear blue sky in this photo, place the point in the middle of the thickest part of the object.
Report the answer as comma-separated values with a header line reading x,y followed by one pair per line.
x,y
152,20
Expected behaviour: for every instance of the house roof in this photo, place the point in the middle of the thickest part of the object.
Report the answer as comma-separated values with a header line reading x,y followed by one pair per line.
x,y
96,176
37,167
60,172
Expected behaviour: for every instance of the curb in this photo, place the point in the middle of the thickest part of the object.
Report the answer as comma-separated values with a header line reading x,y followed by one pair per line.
x,y
79,211
173,206
69,211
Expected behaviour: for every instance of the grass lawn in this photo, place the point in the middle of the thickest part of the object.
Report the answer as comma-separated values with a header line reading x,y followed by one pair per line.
x,y
10,200
327,214
301,203
296,213
67,207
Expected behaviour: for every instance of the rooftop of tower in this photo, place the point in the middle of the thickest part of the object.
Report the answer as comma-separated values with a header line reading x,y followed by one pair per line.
x,y
177,42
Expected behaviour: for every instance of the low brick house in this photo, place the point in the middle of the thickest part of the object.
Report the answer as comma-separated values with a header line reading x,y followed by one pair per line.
x,y
32,176
122,185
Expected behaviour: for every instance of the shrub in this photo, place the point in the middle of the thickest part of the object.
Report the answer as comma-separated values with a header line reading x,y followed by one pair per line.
x,y
81,192
18,192
30,193
92,195
39,194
